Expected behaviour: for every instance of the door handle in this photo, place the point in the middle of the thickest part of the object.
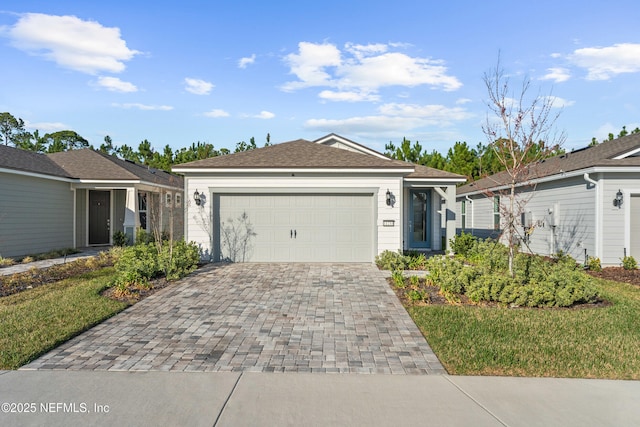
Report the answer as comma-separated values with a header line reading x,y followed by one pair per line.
x,y
295,234
291,234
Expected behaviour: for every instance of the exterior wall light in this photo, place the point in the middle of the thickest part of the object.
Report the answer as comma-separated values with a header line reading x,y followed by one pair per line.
x,y
389,196
619,199
196,198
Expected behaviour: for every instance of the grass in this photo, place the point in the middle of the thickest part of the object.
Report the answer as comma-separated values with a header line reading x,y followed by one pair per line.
x,y
573,343
37,320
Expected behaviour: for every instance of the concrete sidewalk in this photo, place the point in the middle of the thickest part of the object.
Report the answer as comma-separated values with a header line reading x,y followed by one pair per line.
x,y
46,263
67,398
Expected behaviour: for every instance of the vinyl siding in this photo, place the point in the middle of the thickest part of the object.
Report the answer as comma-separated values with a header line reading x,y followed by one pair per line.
x,y
198,218
81,217
616,221
575,226
119,205
36,215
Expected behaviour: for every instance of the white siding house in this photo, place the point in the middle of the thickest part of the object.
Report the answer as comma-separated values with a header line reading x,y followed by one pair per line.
x,y
570,203
331,200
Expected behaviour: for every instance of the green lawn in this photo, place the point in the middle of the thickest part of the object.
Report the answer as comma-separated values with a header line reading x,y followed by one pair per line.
x,y
584,343
35,321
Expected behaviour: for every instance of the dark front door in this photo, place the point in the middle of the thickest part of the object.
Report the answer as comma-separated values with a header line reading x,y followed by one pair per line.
x,y
420,219
99,217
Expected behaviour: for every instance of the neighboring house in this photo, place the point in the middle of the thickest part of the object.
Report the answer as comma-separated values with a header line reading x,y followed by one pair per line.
x,y
584,203
80,198
331,200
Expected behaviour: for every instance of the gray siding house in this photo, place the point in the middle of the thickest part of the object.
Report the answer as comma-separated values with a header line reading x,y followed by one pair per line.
x,y
81,198
584,203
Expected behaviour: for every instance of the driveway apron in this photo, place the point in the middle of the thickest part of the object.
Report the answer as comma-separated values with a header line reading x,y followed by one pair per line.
x,y
340,318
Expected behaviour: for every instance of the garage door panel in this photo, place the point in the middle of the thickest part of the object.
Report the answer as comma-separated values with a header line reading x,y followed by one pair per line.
x,y
328,227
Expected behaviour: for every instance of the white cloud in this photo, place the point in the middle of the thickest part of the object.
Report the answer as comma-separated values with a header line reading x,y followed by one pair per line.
x,y
310,64
602,63
348,96
393,118
557,74
463,101
265,115
362,69
46,126
72,43
243,62
197,86
114,84
144,107
216,113
557,102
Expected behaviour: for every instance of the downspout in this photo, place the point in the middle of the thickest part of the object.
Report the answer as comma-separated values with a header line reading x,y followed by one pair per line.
x,y
593,182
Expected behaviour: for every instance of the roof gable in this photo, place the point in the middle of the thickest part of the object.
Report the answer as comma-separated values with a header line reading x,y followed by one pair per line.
x,y
337,141
618,152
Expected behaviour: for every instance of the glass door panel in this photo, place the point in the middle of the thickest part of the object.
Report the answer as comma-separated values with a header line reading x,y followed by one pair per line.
x,y
419,215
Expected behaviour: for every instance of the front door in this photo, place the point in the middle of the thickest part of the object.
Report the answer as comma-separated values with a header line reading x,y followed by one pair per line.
x,y
419,219
99,217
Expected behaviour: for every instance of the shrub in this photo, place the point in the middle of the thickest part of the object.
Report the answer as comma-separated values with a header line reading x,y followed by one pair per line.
x,y
593,264
137,265
179,259
142,237
6,262
389,260
398,278
119,238
463,243
416,262
416,295
629,263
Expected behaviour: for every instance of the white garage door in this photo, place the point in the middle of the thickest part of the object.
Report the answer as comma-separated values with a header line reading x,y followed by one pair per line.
x,y
294,227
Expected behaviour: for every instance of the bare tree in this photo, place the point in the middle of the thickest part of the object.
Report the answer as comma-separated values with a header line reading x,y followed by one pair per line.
x,y
520,130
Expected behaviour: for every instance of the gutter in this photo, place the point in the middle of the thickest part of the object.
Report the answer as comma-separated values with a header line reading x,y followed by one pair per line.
x,y
590,180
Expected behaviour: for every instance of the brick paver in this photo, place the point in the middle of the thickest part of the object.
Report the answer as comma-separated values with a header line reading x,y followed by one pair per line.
x,y
323,318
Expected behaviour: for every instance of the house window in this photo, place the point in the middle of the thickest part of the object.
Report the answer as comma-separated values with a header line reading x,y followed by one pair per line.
x,y
463,214
142,209
178,200
168,199
496,212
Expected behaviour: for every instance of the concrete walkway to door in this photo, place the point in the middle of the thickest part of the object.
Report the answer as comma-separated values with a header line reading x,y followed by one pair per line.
x,y
340,318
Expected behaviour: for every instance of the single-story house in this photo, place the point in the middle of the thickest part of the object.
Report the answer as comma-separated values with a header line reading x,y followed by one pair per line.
x,y
81,198
585,203
329,200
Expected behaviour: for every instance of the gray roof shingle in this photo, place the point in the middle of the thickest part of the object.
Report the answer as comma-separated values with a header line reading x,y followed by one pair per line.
x,y
84,164
602,154
90,164
29,161
299,154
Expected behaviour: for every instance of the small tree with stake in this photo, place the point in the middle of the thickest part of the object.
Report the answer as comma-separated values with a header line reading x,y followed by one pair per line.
x,y
520,131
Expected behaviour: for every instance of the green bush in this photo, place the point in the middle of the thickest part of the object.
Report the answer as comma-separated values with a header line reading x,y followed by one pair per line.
x,y
140,263
398,278
416,261
593,264
536,282
629,263
179,260
416,295
119,238
463,243
389,260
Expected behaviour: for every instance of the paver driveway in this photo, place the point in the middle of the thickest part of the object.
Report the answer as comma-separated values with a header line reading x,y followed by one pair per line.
x,y
258,317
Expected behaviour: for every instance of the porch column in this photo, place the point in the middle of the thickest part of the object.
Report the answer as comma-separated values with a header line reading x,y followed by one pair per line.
x,y
131,206
450,215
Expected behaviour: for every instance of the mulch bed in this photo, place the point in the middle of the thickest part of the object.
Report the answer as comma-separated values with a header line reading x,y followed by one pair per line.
x,y
136,294
618,274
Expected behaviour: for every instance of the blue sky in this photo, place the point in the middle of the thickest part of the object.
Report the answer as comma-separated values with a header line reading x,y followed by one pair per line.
x,y
372,71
